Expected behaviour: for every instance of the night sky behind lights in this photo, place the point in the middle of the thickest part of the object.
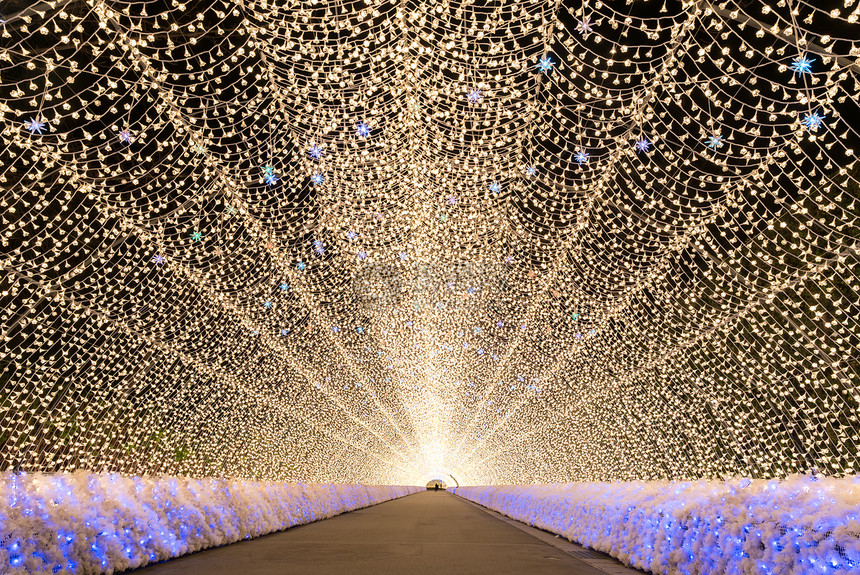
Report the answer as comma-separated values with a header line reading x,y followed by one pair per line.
x,y
509,242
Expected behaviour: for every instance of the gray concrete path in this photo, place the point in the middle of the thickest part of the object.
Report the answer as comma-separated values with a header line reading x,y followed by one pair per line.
x,y
426,533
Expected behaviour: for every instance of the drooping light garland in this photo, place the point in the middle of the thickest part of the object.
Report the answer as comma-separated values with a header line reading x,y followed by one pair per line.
x,y
350,242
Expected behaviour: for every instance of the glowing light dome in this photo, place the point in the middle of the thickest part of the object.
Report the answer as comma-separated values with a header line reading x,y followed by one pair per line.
x,y
512,242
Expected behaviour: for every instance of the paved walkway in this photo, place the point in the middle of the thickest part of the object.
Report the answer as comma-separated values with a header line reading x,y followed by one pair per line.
x,y
426,533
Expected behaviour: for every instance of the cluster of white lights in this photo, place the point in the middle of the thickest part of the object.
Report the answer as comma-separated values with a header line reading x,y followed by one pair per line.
x,y
500,242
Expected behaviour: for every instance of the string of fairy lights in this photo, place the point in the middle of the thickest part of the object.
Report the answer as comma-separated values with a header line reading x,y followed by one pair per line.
x,y
370,241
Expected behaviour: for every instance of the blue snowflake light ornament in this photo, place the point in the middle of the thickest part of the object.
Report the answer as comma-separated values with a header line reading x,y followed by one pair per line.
x,y
715,141
34,126
802,65
545,64
813,121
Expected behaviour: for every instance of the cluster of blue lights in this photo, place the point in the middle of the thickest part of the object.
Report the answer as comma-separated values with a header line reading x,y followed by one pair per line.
x,y
104,523
804,524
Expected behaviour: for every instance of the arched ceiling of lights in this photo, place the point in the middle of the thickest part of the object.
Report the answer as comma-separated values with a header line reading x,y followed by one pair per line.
x,y
372,242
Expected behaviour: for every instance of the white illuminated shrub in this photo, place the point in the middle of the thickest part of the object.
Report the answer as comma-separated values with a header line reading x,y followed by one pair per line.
x,y
101,523
798,526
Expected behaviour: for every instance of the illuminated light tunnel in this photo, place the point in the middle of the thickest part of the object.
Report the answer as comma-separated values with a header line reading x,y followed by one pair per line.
x,y
265,262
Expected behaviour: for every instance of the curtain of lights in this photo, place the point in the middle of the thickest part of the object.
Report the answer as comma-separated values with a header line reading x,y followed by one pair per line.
x,y
507,242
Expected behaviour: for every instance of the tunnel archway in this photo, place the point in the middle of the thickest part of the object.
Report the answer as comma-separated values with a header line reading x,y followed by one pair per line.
x,y
537,243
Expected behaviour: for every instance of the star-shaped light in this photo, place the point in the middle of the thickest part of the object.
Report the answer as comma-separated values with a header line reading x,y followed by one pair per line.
x,y
715,141
403,256
284,287
201,150
255,332
363,130
581,157
472,291
813,121
268,305
285,331
359,329
196,236
270,179
319,247
531,170
362,255
584,26
34,126
500,323
452,200
545,64
350,235
475,96
802,65
315,152
509,259
574,316
495,187
126,136
158,259
642,145
317,179
268,170
335,329
443,218
301,266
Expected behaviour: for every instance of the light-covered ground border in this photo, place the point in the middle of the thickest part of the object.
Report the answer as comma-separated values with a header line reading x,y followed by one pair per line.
x,y
103,523
801,525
